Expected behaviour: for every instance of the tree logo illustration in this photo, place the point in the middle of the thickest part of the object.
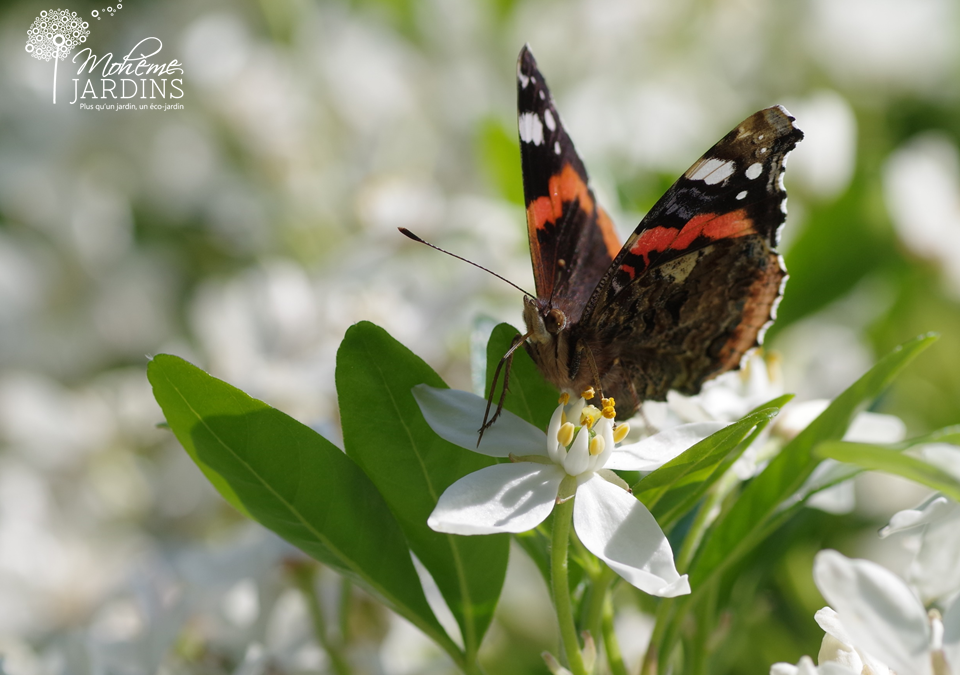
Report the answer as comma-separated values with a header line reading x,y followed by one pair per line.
x,y
53,35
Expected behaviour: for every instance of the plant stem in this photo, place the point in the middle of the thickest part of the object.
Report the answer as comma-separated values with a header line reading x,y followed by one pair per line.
x,y
303,576
562,518
614,657
597,599
649,664
346,596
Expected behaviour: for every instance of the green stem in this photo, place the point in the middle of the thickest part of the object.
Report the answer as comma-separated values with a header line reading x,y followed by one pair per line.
x,y
699,526
346,597
650,659
562,518
303,576
614,657
596,600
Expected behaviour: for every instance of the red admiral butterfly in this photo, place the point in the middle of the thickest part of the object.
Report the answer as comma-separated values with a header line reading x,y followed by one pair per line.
x,y
688,294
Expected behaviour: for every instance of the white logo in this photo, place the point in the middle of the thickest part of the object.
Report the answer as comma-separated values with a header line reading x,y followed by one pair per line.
x,y
53,35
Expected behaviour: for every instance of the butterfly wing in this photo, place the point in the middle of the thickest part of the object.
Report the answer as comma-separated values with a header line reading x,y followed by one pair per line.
x,y
572,241
695,284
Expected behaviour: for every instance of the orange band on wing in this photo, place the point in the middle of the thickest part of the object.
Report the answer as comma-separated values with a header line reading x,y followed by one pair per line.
x,y
563,187
712,226
610,238
655,239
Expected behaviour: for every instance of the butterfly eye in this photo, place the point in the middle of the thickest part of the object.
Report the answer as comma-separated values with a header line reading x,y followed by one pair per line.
x,y
555,321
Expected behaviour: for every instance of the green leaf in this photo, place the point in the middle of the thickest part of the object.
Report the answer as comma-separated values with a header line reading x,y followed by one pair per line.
x,y
293,481
673,489
384,432
742,527
529,396
888,460
949,434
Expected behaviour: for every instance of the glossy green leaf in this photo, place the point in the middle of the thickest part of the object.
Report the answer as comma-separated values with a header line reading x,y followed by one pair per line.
x,y
678,485
384,432
529,396
745,524
293,481
888,460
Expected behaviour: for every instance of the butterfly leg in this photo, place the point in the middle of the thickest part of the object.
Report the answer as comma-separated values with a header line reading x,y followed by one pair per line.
x,y
593,371
503,366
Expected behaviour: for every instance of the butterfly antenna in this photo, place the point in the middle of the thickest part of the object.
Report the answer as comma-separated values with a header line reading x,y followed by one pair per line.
x,y
410,235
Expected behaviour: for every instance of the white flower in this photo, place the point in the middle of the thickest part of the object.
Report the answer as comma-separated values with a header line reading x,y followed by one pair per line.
x,y
881,618
516,497
805,667
934,572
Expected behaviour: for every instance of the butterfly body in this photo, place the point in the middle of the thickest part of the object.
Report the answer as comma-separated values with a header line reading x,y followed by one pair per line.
x,y
688,293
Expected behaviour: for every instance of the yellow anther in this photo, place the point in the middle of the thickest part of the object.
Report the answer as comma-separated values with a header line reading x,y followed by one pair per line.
x,y
589,416
608,402
609,412
621,432
596,445
588,393
565,435
564,398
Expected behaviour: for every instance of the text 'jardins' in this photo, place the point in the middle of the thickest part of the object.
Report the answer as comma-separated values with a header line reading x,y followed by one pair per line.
x,y
137,75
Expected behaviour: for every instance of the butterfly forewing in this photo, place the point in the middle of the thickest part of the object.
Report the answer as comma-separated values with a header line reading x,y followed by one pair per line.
x,y
572,240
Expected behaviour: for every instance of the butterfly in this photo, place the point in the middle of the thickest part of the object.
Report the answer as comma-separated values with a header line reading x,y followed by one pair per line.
x,y
689,293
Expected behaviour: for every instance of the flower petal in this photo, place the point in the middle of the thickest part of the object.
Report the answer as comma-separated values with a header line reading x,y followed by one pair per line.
x,y
653,452
951,634
840,640
578,456
932,509
870,427
513,497
935,572
456,416
619,530
881,615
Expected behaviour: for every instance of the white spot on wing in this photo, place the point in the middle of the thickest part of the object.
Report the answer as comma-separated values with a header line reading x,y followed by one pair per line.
x,y
741,195
754,170
548,120
556,147
531,128
524,80
712,171
543,97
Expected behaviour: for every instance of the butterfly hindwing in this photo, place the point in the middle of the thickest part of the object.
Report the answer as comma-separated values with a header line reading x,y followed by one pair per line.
x,y
694,285
572,240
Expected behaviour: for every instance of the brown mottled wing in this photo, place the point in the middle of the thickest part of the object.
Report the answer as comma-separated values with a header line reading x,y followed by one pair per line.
x,y
572,241
695,284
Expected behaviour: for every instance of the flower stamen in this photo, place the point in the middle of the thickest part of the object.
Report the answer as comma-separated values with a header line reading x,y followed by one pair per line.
x,y
588,393
565,434
621,432
596,446
589,416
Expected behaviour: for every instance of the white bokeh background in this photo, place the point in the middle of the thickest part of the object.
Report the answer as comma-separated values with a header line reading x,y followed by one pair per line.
x,y
249,230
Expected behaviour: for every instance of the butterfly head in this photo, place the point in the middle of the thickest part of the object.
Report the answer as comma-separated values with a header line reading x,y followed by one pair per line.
x,y
544,322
